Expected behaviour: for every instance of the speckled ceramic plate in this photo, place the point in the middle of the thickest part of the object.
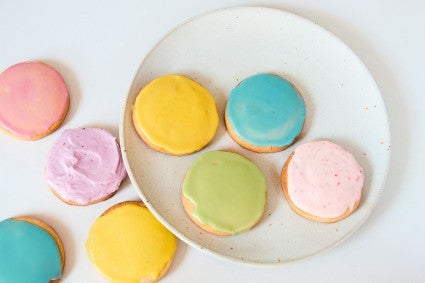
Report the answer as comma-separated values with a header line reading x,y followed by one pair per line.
x,y
221,48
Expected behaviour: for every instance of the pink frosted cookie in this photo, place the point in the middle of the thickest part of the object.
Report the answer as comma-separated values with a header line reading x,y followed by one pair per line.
x,y
34,100
322,181
84,166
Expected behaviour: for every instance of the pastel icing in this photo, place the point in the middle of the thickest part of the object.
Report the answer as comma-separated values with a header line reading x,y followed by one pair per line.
x,y
28,253
227,190
175,114
128,244
84,165
266,110
324,179
33,99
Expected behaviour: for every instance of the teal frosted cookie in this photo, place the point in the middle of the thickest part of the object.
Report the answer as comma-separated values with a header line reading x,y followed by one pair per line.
x,y
265,113
30,251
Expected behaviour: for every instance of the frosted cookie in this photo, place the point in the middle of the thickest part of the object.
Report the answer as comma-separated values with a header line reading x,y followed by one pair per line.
x,y
175,115
265,113
84,166
224,193
34,100
30,251
127,244
322,181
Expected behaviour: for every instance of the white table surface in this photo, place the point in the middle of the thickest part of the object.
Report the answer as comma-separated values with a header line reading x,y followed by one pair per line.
x,y
98,46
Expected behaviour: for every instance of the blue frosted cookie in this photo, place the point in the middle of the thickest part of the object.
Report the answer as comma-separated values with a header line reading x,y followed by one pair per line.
x,y
265,113
30,251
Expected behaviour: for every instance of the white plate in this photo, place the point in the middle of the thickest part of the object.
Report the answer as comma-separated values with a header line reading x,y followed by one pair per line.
x,y
221,48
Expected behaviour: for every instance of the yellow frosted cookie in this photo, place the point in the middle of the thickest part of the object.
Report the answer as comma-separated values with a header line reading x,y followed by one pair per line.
x,y
127,244
175,115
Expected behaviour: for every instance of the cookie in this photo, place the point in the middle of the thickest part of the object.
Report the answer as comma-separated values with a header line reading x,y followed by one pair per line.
x,y
128,244
265,113
224,193
175,115
30,251
322,181
34,100
84,166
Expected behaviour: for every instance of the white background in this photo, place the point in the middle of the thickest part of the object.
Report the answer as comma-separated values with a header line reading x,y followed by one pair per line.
x,y
98,46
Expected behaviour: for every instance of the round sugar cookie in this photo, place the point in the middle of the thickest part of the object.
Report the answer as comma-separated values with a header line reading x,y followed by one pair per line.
x,y
128,244
30,251
224,193
175,115
34,100
265,113
322,181
84,166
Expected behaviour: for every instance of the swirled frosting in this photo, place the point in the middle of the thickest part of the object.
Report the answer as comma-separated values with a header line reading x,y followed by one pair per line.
x,y
84,165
